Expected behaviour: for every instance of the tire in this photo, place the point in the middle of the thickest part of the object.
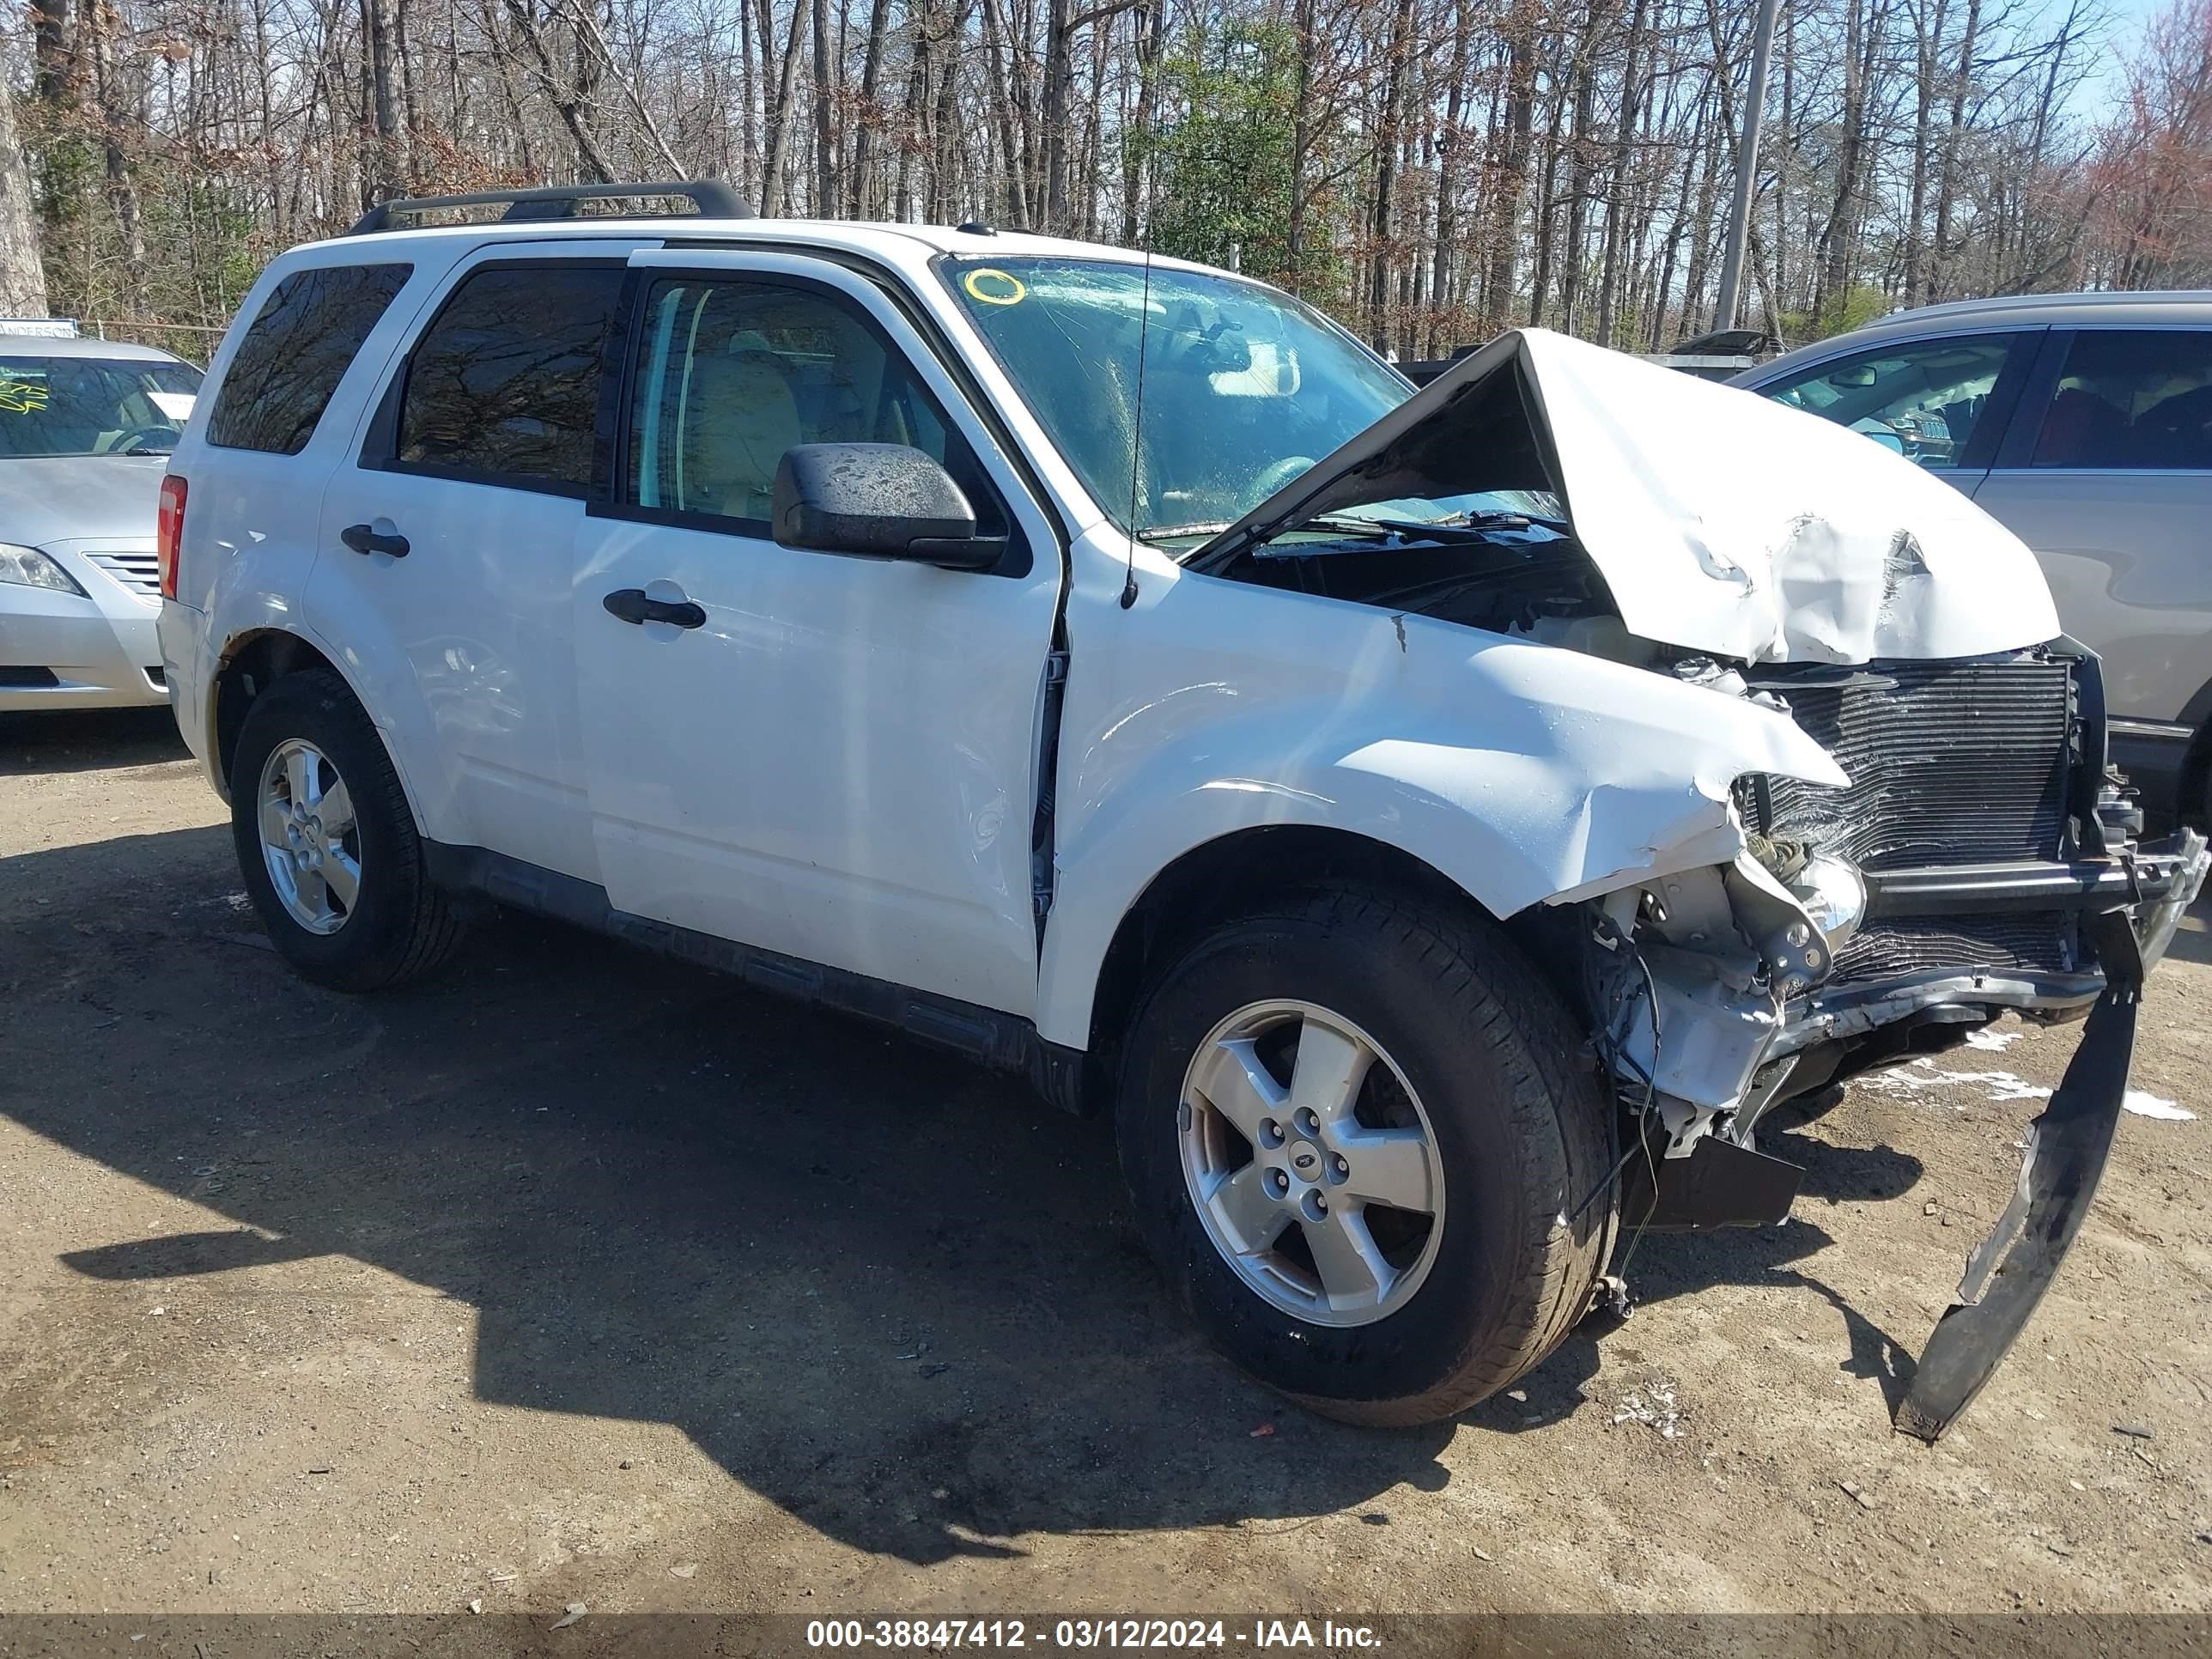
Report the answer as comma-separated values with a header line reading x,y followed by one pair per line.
x,y
1465,1028
398,925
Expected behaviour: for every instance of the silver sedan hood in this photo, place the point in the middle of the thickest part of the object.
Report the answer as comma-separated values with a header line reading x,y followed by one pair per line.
x,y
1721,521
53,498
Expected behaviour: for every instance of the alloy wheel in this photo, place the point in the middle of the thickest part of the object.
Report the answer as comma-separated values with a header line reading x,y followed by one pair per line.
x,y
1311,1163
310,842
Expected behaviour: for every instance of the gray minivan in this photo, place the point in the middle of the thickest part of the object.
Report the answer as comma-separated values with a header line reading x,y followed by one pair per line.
x,y
2083,422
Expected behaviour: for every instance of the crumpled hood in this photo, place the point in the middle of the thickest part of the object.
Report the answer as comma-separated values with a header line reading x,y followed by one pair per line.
x,y
1722,521
52,498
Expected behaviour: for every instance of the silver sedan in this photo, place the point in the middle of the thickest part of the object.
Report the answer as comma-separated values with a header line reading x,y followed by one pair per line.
x,y
86,427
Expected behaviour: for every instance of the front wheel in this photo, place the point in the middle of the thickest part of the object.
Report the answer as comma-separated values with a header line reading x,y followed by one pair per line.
x,y
1355,1134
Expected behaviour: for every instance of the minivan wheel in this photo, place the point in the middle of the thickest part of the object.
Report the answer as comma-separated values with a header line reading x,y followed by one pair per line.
x,y
1356,1131
326,844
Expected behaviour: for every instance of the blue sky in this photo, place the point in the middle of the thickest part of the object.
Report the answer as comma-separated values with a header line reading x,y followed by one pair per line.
x,y
2128,20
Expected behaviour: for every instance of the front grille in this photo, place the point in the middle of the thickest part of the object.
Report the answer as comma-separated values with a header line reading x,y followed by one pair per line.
x,y
2042,940
1950,762
139,572
26,679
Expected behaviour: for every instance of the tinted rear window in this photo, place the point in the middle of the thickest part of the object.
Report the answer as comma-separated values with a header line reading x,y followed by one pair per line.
x,y
293,356
2131,401
504,386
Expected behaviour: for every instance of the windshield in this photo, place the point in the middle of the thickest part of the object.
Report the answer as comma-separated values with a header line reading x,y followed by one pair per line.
x,y
93,406
1243,388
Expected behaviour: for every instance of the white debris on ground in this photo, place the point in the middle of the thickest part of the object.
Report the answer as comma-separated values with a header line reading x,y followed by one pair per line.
x,y
1659,1410
2145,1105
1924,1074
1997,1042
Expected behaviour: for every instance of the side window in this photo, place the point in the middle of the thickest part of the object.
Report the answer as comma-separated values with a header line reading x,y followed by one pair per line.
x,y
503,387
284,370
2130,400
732,374
1923,399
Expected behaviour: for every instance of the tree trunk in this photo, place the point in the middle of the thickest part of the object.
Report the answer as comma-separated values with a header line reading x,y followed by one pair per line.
x,y
825,135
860,196
1510,183
387,162
1386,176
22,277
96,23
779,120
1058,78
1448,154
1946,174
1302,142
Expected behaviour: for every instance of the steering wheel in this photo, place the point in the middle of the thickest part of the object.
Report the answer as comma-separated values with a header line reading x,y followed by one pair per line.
x,y
1279,474
163,437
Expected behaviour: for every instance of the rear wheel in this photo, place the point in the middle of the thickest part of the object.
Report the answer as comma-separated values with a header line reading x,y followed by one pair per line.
x,y
326,844
1355,1134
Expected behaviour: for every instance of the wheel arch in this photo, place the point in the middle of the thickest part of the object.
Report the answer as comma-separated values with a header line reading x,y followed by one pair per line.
x,y
255,659
1220,878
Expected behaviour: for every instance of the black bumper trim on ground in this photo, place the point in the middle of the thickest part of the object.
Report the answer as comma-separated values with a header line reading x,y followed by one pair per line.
x,y
2068,1145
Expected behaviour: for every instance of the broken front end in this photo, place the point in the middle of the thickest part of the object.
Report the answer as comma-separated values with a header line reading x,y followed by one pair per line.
x,y
1984,858
1953,843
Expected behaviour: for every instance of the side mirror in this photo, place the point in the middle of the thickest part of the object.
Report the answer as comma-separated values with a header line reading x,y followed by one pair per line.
x,y
877,501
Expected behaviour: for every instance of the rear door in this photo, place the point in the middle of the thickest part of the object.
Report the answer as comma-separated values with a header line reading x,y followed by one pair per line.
x,y
839,762
445,541
2107,474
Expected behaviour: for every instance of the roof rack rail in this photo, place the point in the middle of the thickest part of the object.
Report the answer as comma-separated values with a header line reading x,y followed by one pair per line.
x,y
714,199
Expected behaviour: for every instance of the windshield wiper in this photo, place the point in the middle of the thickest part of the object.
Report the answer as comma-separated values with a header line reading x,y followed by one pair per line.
x,y
1459,527
1168,532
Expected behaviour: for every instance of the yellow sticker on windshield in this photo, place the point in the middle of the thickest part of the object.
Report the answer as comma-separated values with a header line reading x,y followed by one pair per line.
x,y
22,397
1004,290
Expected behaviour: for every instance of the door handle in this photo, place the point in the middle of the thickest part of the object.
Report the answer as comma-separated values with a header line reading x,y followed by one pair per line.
x,y
633,605
366,538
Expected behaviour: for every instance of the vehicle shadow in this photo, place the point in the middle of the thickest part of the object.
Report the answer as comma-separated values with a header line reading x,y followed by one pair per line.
x,y
893,1294
88,740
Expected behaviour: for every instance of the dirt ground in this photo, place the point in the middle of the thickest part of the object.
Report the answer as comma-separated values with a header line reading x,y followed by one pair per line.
x,y
582,1277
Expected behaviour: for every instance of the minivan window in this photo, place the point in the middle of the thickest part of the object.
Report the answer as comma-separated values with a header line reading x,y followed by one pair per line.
x,y
282,374
503,386
2131,400
93,406
732,375
1922,398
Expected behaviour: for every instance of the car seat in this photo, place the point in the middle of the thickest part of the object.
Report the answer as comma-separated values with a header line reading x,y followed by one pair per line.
x,y
741,416
2081,429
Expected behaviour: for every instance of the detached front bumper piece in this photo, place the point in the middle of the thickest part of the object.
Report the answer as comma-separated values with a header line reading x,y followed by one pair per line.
x,y
2067,1148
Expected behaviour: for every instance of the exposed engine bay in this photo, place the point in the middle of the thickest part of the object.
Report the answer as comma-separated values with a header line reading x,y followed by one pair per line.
x,y
1513,580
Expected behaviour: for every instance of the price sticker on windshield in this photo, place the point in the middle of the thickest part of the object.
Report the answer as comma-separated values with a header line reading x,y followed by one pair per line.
x,y
994,287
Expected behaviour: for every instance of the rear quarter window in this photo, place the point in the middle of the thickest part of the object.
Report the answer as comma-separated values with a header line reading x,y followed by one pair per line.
x,y
2131,400
282,376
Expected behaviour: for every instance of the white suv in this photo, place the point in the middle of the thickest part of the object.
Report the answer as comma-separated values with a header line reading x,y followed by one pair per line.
x,y
1438,826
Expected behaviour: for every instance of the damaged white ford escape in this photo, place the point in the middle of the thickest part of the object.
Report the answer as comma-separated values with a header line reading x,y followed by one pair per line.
x,y
1438,827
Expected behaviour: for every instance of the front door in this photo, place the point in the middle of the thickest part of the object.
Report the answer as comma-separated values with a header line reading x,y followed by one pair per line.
x,y
838,761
